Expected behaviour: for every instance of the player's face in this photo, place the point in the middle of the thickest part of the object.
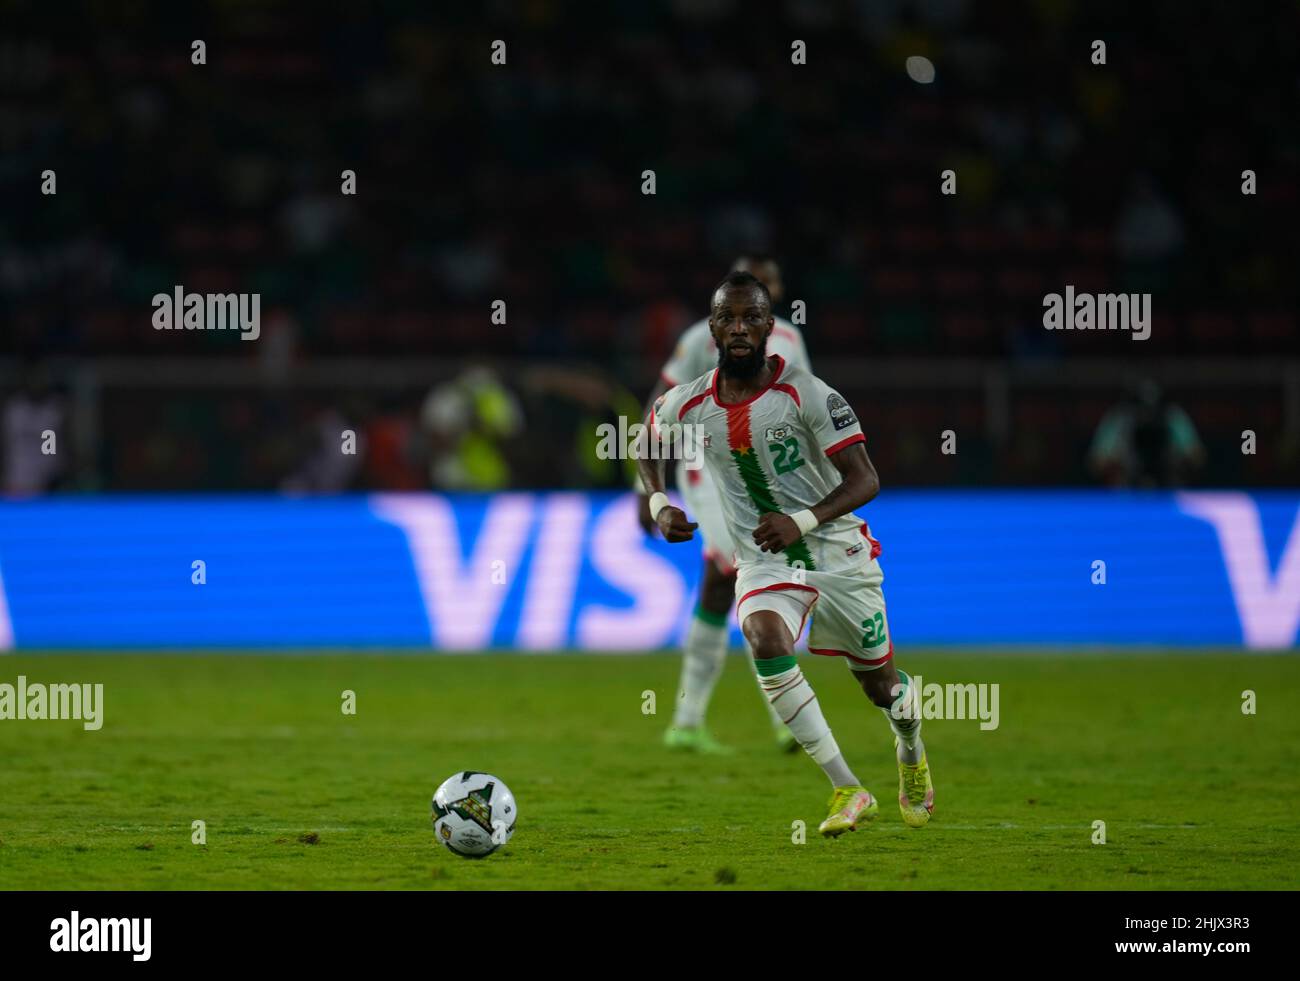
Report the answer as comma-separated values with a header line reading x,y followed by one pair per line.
x,y
740,322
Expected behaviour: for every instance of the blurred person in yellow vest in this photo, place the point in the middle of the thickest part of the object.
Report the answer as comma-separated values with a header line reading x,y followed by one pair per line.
x,y
465,422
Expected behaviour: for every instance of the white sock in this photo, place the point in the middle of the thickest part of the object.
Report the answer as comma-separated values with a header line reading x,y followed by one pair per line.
x,y
796,703
907,728
702,661
777,724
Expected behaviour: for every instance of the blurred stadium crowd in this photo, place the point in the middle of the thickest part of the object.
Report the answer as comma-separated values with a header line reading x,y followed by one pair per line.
x,y
523,182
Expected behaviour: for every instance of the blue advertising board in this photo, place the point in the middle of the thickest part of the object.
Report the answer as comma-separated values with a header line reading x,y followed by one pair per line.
x,y
558,571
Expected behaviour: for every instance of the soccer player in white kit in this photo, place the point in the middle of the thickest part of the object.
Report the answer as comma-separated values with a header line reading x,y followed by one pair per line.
x,y
705,651
788,457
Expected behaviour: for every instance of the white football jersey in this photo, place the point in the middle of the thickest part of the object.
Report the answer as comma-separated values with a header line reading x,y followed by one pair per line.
x,y
696,352
772,453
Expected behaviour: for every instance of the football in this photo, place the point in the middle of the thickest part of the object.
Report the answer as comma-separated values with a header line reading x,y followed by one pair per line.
x,y
474,814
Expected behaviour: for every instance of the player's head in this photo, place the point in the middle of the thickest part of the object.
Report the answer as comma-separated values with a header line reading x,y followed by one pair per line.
x,y
765,269
1145,393
740,318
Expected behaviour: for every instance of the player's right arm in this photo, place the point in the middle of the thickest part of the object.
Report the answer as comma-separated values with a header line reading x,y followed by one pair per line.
x,y
642,495
684,364
836,432
671,521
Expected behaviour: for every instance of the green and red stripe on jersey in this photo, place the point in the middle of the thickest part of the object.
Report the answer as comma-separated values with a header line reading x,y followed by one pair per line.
x,y
741,443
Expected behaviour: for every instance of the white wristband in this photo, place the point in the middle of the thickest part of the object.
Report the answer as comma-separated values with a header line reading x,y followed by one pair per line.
x,y
805,520
658,501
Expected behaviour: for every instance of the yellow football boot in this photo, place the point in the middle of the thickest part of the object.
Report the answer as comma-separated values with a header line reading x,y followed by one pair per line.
x,y
915,792
850,806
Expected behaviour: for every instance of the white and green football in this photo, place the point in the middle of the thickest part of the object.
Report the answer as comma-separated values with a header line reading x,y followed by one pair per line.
x,y
473,814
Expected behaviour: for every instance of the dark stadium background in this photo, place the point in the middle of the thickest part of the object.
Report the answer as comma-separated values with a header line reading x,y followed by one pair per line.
x,y
478,182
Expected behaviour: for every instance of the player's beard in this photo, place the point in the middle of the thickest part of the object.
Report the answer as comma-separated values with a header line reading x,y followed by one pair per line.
x,y
744,367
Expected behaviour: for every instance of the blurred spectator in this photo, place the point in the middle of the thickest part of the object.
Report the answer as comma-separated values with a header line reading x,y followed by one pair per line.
x,y
1148,228
393,451
338,446
35,443
1146,441
465,423
572,404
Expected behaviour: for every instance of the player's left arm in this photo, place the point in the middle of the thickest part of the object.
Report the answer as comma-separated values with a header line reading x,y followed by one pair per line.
x,y
837,433
859,485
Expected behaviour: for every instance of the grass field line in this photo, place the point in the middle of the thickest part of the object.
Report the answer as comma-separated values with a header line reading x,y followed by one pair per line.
x,y
611,832
1000,826
297,829
1060,827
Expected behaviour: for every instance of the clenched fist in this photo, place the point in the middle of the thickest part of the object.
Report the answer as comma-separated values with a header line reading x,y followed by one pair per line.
x,y
776,531
672,522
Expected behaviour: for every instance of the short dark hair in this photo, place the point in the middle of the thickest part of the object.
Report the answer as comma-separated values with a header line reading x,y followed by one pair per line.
x,y
741,280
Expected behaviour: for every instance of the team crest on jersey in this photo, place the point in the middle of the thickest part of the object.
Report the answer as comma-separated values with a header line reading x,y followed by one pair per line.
x,y
780,434
840,413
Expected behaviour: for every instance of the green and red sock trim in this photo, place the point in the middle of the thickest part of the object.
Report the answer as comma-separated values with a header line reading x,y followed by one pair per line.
x,y
769,666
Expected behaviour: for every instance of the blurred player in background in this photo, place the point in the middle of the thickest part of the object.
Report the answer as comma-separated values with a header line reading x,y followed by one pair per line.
x,y
1146,441
787,455
707,639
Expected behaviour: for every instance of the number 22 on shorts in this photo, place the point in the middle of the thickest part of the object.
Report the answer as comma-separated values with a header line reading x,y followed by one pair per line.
x,y
874,629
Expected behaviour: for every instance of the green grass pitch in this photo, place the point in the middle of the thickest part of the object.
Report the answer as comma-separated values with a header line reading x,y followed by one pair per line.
x,y
296,795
